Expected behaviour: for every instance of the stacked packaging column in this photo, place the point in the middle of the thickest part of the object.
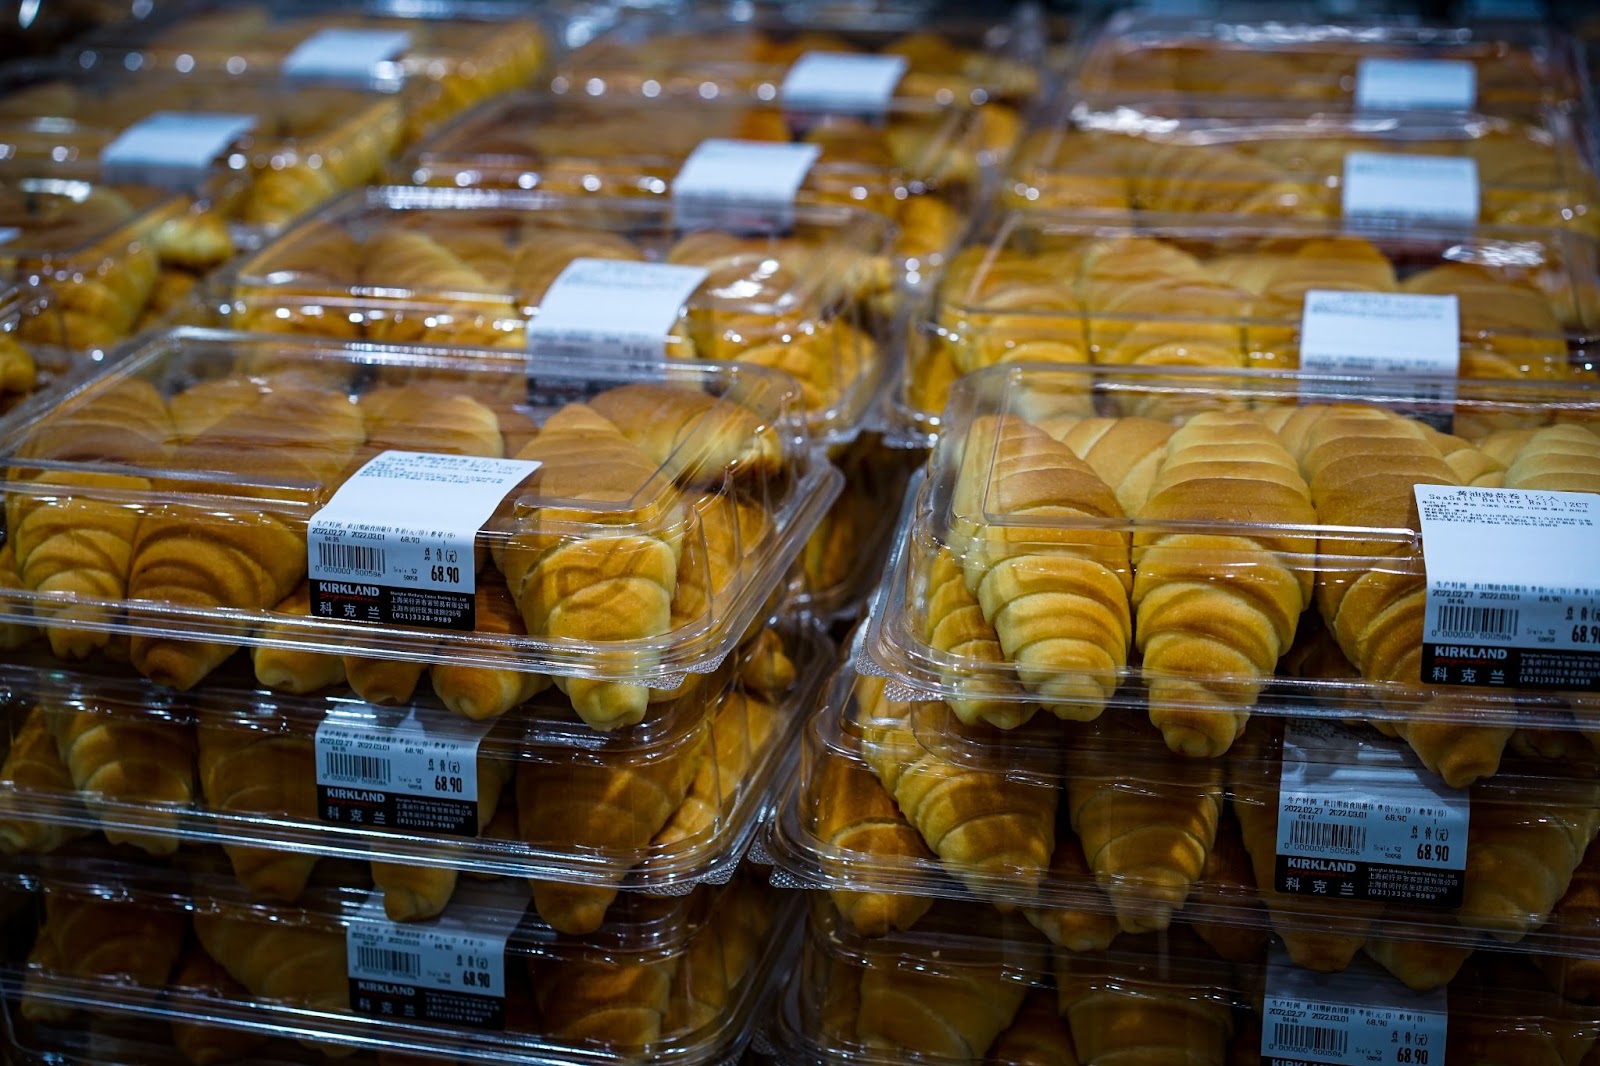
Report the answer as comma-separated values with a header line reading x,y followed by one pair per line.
x,y
1200,715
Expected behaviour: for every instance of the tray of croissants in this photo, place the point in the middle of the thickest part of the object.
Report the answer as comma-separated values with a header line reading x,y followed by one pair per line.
x,y
232,979
1065,288
966,986
921,166
471,266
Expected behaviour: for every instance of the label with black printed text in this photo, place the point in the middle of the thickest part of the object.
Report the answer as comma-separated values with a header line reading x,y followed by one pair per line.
x,y
1394,188
613,314
414,769
1359,1017
1383,336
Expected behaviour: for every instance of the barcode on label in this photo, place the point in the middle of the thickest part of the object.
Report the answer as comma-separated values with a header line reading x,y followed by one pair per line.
x,y
389,961
1349,838
355,557
1455,621
1287,1036
366,769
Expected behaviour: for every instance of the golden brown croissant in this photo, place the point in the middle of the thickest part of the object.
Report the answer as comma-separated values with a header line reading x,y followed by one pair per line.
x,y
416,892
740,732
767,669
268,771
480,692
853,814
696,438
33,766
1057,598
720,956
190,555
199,974
97,939
724,532
954,1011
79,541
129,758
461,304
1076,929
957,628
389,682
1230,885
1147,821
583,582
1414,955
1214,612
983,824
1037,1036
281,962
19,375
1571,967
13,635
1127,453
618,1003
293,669
1280,282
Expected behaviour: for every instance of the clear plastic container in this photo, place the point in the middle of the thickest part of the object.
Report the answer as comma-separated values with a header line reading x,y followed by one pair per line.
x,y
1288,161
661,806
1230,293
444,57
1204,61
471,266
920,168
679,979
309,144
226,446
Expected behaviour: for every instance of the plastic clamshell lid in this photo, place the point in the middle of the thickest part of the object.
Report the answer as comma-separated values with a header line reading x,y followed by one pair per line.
x,y
258,422
957,522
806,302
66,225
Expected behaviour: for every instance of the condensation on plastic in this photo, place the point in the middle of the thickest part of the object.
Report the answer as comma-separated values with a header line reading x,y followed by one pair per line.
x,y
217,491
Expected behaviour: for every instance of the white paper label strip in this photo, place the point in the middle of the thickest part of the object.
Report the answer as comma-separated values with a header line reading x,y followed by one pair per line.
x,y
394,545
842,82
172,149
612,314
1380,185
1416,84
449,971
1355,1018
415,770
1381,334
1513,588
1360,818
344,55
744,186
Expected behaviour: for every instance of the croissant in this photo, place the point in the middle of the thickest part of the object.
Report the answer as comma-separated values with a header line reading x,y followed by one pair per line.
x,y
984,825
389,682
412,893
1415,957
720,957
270,773
957,629
618,1003
96,939
190,555
13,635
604,801
1074,928
80,541
18,373
1037,1036
1214,612
545,252
1512,329
33,766
725,532
281,962
1567,962
129,758
854,815
210,1045
952,1012
1127,453
1341,264
1362,464
1471,464
1147,823
480,692
740,733
1057,598
295,670
696,438
767,669
324,257
585,583
1230,885
463,306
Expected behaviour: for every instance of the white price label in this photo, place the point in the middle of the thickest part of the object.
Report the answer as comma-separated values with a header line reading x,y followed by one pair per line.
x,y
615,314
390,769
1355,1018
1380,185
741,185
1513,588
842,82
1360,818
9,234
172,149
447,971
1416,84
1381,334
345,55
395,544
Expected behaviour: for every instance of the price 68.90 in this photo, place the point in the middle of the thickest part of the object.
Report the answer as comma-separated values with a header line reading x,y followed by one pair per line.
x,y
451,574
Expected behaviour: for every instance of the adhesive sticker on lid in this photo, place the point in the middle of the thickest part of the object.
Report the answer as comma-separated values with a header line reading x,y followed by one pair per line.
x,y
1383,335
1357,1017
615,315
1410,188
1513,588
172,149
1416,84
344,54
842,82
395,544
742,186
448,971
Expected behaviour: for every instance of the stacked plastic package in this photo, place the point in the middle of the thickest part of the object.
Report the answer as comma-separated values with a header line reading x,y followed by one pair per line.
x,y
1229,696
